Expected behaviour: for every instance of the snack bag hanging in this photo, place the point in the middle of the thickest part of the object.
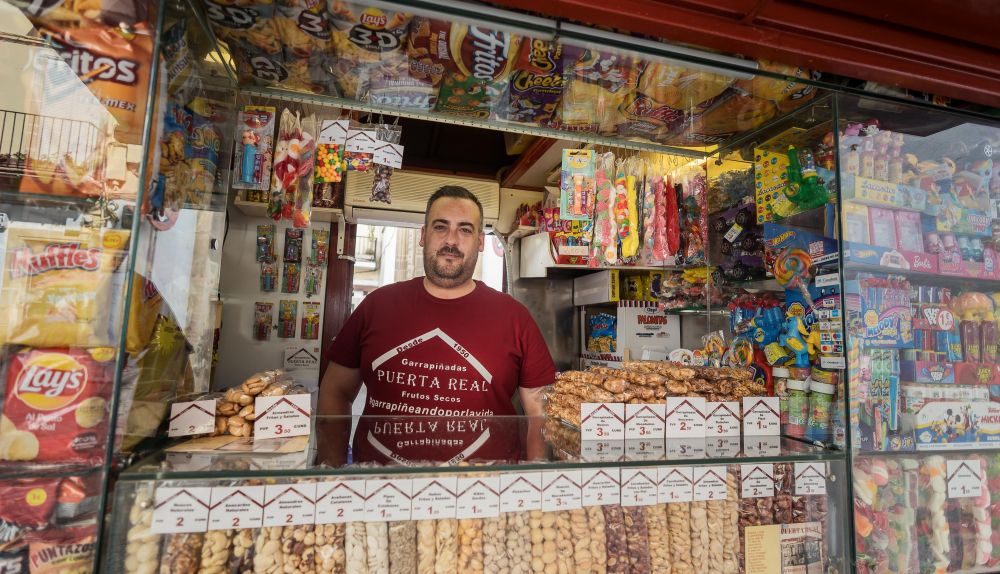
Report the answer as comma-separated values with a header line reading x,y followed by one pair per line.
x,y
247,22
305,32
366,40
620,207
144,308
302,196
206,143
577,185
610,256
477,72
603,232
426,62
648,215
383,173
596,83
536,85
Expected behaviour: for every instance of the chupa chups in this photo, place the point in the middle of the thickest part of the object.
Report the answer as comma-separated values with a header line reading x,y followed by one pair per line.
x,y
29,502
56,405
481,62
366,39
57,286
537,83
596,84
62,550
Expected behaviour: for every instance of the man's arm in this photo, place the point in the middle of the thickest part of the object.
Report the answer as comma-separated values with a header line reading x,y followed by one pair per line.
x,y
531,402
337,391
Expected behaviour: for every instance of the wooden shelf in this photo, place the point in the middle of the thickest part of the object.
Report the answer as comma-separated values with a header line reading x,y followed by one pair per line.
x,y
255,209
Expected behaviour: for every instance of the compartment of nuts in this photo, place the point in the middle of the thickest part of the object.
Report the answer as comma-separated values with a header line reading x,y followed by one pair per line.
x,y
617,543
425,546
182,553
403,547
215,552
142,547
331,557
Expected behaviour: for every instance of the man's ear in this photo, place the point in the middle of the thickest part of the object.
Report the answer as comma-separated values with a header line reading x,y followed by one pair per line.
x,y
423,229
482,241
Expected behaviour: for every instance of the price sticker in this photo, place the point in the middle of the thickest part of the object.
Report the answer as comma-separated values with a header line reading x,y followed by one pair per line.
x,y
965,479
283,416
832,363
760,416
602,450
290,504
361,141
602,421
333,132
685,417
645,421
810,478
756,480
434,497
733,232
236,507
389,154
723,446
388,499
178,510
339,501
710,483
828,280
686,448
645,449
676,485
561,490
601,486
478,497
520,491
639,486
722,418
190,418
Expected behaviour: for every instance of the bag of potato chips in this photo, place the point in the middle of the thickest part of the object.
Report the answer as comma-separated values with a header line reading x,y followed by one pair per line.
x,y
480,65
365,40
537,83
57,286
596,84
144,307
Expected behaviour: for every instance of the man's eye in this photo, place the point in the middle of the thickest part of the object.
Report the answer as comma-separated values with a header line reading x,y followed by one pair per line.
x,y
467,230
440,228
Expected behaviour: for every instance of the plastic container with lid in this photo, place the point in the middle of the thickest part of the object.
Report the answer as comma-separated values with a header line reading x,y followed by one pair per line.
x,y
820,411
779,375
798,408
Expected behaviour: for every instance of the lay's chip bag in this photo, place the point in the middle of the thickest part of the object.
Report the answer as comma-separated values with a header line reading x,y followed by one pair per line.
x,y
367,41
57,286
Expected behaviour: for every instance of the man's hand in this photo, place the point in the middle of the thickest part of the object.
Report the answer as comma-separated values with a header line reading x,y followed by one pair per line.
x,y
531,402
337,390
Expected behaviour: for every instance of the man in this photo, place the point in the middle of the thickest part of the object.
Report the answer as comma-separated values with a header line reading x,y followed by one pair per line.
x,y
442,345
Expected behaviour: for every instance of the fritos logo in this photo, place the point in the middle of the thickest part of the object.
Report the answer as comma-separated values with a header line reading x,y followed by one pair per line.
x,y
50,381
54,256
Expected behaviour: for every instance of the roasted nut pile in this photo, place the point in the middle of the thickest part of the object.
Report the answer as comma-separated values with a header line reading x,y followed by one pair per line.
x,y
235,413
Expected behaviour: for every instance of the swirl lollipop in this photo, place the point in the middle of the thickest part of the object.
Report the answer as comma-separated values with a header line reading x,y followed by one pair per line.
x,y
791,266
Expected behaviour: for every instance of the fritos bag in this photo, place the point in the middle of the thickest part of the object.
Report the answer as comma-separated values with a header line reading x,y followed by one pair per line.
x,y
481,62
57,286
56,405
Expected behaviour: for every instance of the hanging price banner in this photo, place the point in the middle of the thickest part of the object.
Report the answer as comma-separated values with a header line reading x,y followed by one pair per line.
x,y
361,141
520,491
333,132
389,154
965,479
181,509
339,501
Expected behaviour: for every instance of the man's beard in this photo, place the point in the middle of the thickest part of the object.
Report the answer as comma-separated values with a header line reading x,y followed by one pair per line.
x,y
449,275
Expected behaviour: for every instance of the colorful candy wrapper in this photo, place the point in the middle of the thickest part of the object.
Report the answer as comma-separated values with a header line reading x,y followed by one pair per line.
x,y
314,277
293,245
265,243
604,234
330,165
206,144
596,84
287,310
268,276
310,321
253,148
359,160
263,318
367,41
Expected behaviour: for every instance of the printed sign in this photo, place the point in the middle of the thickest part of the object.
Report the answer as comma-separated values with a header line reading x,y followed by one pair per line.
x,y
676,485
181,509
339,501
236,507
965,479
710,483
645,421
478,497
333,132
561,490
685,417
361,141
388,499
189,418
810,478
722,418
290,504
760,416
756,480
434,497
640,486
602,450
601,486
602,421
389,154
283,416
647,449
520,491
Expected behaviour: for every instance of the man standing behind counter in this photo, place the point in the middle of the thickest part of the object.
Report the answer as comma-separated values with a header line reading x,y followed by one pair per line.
x,y
442,345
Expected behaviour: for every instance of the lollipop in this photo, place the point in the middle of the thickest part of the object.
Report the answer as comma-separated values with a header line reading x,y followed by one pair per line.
x,y
791,267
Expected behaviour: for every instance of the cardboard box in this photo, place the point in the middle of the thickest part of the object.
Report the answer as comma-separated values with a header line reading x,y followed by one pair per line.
x,y
642,328
882,193
957,425
957,373
890,258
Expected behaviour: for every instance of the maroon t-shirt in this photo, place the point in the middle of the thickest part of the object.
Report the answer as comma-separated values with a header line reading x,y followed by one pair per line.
x,y
459,359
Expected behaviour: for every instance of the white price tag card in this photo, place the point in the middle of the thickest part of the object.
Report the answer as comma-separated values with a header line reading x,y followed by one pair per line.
x,y
601,486
710,483
685,417
434,497
333,132
389,154
756,480
181,509
340,501
965,479
832,362
284,416
676,485
828,280
639,486
761,416
602,450
762,445
388,499
561,490
723,446
733,232
361,141
290,504
520,491
645,449
722,418
645,421
236,507
810,478
687,448
478,497
196,417
602,421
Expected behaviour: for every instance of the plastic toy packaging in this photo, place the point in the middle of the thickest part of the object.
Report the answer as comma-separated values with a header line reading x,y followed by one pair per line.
x,y
604,243
255,132
577,186
383,173
293,245
290,277
603,336
358,160
268,276
263,318
320,247
313,279
302,196
287,310
265,243
310,321
294,157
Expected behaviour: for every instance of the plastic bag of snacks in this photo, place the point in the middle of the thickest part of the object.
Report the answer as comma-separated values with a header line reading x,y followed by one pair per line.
x,y
62,550
477,71
366,41
596,83
536,84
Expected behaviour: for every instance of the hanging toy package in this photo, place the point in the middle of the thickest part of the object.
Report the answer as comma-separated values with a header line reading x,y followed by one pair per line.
x,y
293,245
290,278
285,176
320,247
253,150
268,276
603,228
313,279
310,321
265,243
287,310
383,173
263,317
577,184
301,197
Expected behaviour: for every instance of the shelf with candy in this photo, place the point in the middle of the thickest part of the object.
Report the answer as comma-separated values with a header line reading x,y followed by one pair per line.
x,y
255,209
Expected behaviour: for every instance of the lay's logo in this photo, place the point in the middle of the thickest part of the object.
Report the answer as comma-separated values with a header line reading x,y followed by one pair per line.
x,y
51,381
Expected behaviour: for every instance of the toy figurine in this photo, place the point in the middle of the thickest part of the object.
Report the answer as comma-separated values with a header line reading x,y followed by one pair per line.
x,y
793,337
766,326
824,152
250,142
804,188
312,280
268,276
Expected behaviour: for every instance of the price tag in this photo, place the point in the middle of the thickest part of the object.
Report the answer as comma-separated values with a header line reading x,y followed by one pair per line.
x,y
722,418
561,490
828,280
602,450
760,416
756,480
434,497
645,421
340,501
196,417
762,445
284,416
832,363
601,486
290,504
520,491
686,448
723,446
333,132
361,141
602,421
236,507
648,449
389,154
181,509
810,478
710,483
685,417
478,497
639,486
965,479
676,485
388,499
733,232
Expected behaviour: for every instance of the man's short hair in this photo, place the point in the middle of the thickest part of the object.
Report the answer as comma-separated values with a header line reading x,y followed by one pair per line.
x,y
455,191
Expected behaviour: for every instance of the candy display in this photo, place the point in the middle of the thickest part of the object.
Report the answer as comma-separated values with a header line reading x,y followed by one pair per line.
x,y
263,321
287,310
254,149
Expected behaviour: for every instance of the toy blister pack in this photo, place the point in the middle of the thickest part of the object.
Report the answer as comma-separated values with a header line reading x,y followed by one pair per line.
x,y
265,243
290,277
268,276
287,311
320,247
577,186
313,280
310,321
254,148
263,319
293,245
